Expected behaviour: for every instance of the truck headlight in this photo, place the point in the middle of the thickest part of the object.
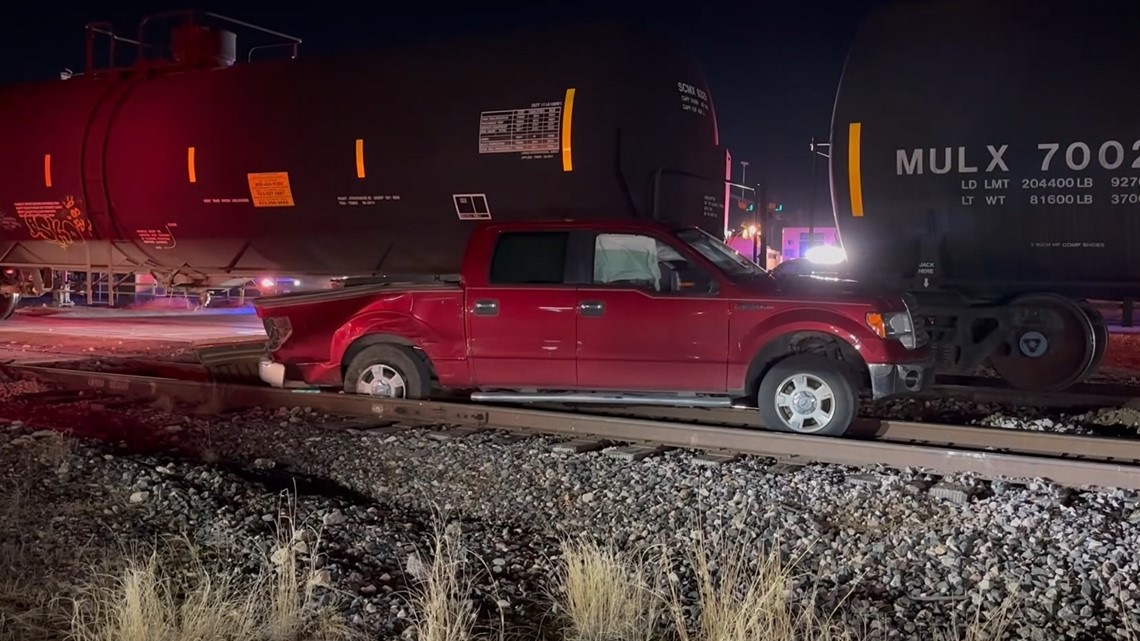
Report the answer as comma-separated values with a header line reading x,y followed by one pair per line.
x,y
893,325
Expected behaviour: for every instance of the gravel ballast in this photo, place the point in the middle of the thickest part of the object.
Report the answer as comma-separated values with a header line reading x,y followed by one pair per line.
x,y
897,559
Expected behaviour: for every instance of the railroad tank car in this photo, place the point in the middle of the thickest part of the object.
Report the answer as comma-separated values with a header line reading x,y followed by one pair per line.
x,y
986,157
197,169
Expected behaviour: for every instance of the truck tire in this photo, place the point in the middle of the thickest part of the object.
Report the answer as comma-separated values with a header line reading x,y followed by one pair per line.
x,y
807,394
388,371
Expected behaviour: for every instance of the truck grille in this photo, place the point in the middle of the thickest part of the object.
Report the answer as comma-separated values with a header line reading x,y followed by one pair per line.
x,y
278,329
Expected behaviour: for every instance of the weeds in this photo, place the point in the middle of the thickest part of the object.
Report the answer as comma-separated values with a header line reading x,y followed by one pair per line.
x,y
147,602
607,594
602,594
444,610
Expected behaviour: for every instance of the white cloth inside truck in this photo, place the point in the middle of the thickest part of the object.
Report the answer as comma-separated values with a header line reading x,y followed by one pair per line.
x,y
625,258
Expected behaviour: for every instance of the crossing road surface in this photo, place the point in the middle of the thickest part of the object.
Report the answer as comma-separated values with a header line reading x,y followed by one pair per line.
x,y
165,326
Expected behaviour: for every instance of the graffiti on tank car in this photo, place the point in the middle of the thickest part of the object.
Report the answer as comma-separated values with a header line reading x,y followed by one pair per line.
x,y
62,223
8,223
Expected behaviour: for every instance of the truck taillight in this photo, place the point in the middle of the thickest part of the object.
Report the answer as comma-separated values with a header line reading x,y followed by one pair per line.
x,y
278,329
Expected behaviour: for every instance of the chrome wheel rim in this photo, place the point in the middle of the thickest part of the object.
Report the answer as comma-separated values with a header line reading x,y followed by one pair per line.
x,y
382,380
805,403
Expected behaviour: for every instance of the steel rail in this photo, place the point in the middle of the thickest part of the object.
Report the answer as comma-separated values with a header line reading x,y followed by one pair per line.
x,y
1098,448
842,451
984,389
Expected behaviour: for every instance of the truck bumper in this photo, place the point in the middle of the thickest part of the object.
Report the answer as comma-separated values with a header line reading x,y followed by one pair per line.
x,y
271,372
894,379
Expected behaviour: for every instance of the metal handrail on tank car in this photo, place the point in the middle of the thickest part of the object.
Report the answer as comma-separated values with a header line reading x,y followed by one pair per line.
x,y
188,16
105,28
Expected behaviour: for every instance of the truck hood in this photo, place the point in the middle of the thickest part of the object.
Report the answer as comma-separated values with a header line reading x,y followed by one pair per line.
x,y
824,290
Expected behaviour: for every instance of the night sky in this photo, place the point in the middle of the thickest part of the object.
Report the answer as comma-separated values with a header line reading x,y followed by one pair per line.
x,y
772,66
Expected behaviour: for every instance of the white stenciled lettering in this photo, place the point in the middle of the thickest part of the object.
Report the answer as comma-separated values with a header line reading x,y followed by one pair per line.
x,y
692,90
911,164
945,160
1060,199
996,158
969,184
1056,183
1073,155
963,166
1077,150
997,183
995,200
693,99
945,169
1050,148
1117,151
1079,156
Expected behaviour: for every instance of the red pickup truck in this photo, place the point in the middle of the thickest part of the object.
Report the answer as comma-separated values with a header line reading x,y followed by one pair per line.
x,y
612,312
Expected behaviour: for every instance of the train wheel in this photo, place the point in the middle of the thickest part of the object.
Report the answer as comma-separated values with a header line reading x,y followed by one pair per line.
x,y
8,304
1049,351
1100,331
388,371
807,394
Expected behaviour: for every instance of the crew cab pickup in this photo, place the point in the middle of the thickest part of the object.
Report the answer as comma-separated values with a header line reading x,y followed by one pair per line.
x,y
604,312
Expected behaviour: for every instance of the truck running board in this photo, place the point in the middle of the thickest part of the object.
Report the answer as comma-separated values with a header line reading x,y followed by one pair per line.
x,y
600,397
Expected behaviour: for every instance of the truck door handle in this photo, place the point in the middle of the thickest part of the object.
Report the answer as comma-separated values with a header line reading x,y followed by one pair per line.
x,y
592,307
487,307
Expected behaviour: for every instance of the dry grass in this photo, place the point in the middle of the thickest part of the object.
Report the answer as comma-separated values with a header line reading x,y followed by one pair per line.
x,y
602,593
611,596
737,602
26,599
607,594
444,610
148,601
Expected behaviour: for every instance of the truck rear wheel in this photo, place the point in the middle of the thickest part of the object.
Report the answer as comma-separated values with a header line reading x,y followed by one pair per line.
x,y
8,303
807,394
388,371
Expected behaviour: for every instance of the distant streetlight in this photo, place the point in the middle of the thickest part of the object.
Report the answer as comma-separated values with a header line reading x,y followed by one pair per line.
x,y
817,149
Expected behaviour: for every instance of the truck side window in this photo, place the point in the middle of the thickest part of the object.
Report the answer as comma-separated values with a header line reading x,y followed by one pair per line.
x,y
526,258
643,262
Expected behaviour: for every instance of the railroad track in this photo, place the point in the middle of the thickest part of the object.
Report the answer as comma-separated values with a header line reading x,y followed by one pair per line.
x,y
225,361
235,361
991,453
984,389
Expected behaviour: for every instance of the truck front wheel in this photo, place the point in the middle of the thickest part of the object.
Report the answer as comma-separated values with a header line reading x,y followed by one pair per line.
x,y
807,394
388,371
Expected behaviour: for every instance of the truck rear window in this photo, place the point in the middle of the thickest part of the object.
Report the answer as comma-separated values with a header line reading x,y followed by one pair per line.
x,y
529,257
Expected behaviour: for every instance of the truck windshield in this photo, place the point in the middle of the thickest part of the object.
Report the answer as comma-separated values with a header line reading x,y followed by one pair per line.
x,y
734,265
